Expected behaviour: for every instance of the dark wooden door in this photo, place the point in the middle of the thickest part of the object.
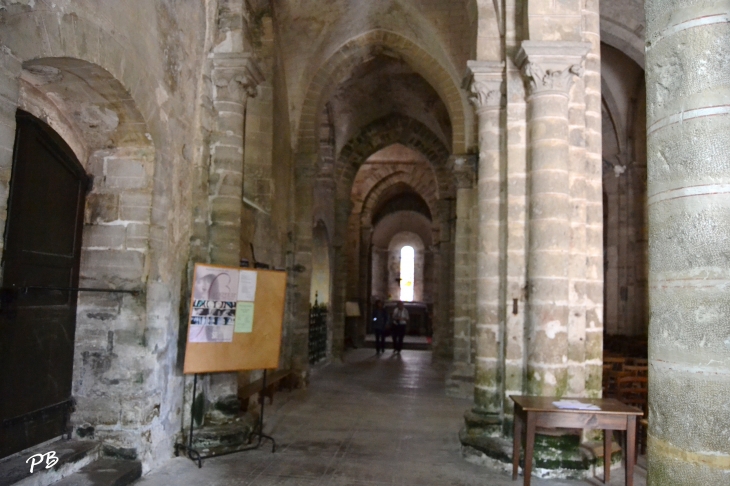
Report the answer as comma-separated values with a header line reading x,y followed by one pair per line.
x,y
42,250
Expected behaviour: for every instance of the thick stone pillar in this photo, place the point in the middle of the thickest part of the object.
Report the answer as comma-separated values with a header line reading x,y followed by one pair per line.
x,y
550,67
460,382
688,130
486,95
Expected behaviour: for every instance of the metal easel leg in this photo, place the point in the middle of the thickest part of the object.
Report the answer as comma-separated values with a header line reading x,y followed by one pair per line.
x,y
260,428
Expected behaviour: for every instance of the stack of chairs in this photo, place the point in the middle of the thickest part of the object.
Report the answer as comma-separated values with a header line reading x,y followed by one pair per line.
x,y
626,379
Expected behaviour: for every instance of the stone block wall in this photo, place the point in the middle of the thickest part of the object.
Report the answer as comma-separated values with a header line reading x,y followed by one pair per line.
x,y
10,69
131,121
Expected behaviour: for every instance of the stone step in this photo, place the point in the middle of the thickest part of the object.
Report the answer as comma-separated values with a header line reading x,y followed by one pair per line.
x,y
72,456
105,472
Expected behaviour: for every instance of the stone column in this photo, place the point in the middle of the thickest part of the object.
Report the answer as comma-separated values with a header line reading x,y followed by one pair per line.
x,y
301,272
343,208
688,130
443,331
364,291
549,67
486,87
235,77
591,339
460,382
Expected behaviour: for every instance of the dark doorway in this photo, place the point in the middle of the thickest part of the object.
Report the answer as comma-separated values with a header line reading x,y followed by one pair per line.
x,y
37,320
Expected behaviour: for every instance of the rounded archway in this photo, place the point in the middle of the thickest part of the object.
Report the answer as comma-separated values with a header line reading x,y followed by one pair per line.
x,y
90,111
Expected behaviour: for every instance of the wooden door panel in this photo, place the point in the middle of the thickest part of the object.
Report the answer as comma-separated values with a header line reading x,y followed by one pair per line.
x,y
42,249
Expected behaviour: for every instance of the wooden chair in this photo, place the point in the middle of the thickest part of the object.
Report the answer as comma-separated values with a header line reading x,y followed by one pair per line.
x,y
634,390
617,363
613,378
637,370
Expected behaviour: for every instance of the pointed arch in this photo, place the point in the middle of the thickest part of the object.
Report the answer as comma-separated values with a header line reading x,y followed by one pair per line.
x,y
352,53
382,133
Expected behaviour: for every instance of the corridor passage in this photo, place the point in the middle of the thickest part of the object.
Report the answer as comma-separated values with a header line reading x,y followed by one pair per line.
x,y
370,421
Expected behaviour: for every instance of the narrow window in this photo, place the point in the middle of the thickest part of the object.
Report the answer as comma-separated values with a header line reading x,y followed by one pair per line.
x,y
407,257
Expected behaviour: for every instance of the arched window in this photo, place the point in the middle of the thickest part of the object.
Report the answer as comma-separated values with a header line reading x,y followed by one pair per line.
x,y
407,272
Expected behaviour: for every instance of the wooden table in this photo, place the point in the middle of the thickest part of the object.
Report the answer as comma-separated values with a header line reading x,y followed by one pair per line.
x,y
533,412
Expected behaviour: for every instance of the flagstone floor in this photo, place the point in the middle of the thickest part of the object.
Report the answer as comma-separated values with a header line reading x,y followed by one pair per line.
x,y
368,421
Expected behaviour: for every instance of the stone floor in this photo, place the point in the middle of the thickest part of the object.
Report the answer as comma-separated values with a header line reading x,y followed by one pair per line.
x,y
369,421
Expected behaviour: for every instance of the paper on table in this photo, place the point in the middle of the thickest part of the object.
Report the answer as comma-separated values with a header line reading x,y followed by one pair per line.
x,y
244,317
246,285
575,405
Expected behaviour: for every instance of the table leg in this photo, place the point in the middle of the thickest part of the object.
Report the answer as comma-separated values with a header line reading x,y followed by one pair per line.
x,y
630,445
529,447
607,434
517,432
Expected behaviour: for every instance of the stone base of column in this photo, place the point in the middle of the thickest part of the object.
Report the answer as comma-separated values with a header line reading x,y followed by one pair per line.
x,y
482,434
557,455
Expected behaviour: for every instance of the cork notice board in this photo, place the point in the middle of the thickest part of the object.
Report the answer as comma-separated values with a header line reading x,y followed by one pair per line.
x,y
235,319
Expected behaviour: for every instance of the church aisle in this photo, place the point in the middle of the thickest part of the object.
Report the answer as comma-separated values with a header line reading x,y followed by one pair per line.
x,y
369,421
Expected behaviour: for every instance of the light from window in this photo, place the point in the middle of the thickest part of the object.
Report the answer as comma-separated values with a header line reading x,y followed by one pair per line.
x,y
407,272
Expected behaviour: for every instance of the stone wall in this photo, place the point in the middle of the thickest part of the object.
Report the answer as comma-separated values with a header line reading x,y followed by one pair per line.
x,y
10,71
126,377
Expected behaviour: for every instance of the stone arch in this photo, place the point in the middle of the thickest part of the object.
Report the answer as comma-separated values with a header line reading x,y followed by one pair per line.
x,y
623,26
73,36
43,36
397,179
445,82
352,243
388,240
611,108
89,107
382,133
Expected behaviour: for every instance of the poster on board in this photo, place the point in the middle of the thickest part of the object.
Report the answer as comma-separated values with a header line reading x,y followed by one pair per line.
x,y
236,317
218,293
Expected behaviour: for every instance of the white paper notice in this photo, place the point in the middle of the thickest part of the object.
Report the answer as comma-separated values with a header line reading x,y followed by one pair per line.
x,y
575,405
246,286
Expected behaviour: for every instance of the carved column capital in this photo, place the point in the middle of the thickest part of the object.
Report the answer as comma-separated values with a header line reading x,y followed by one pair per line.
x,y
464,169
238,73
550,80
485,94
485,82
551,66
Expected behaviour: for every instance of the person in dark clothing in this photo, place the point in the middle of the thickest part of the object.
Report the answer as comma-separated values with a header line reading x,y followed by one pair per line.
x,y
380,322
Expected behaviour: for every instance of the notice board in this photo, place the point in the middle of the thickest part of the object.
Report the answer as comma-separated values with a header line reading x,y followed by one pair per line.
x,y
235,321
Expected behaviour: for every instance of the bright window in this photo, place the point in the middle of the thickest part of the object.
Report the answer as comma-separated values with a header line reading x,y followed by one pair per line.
x,y
407,272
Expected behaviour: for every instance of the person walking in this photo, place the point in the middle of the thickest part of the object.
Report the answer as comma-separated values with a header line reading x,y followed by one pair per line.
x,y
380,323
400,322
